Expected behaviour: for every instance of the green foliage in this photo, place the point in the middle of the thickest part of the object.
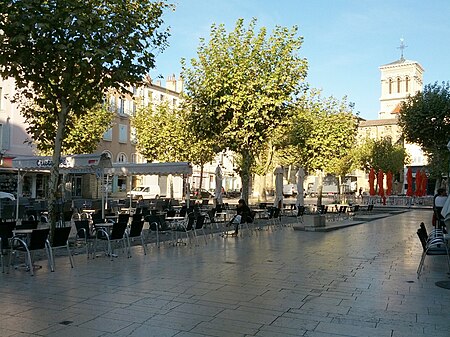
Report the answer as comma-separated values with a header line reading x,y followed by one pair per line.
x,y
425,120
321,135
83,136
381,154
66,54
163,134
242,85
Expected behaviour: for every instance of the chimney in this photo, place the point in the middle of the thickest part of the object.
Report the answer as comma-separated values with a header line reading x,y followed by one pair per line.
x,y
180,84
171,83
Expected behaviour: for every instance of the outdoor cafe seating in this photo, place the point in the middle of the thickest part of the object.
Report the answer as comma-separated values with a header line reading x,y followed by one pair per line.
x,y
37,240
432,245
118,234
84,234
60,240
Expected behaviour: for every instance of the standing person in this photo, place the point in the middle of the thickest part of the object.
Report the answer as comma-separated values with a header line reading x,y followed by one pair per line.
x,y
360,192
439,200
243,215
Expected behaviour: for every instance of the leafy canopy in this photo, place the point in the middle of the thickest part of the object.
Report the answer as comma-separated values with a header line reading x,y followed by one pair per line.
x,y
381,154
66,54
241,86
82,137
243,83
163,134
320,134
425,120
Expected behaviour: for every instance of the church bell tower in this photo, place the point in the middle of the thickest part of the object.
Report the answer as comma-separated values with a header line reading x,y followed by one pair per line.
x,y
399,79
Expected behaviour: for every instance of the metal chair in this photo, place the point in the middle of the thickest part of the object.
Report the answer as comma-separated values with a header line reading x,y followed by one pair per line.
x,y
38,240
60,240
135,231
157,225
84,234
186,227
118,234
200,226
6,233
434,244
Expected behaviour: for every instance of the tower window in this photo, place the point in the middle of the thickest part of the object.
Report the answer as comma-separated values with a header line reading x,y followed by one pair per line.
x,y
390,86
398,84
407,84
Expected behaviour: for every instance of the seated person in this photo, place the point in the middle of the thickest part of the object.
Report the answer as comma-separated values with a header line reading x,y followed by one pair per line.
x,y
243,215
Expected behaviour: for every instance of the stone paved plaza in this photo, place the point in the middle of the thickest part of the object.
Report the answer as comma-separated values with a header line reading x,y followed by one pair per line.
x,y
356,281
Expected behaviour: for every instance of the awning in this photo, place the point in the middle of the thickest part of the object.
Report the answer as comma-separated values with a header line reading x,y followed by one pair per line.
x,y
79,163
124,169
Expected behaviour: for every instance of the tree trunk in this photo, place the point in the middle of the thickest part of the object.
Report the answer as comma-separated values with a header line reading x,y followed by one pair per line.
x,y
319,188
341,195
201,177
54,172
247,161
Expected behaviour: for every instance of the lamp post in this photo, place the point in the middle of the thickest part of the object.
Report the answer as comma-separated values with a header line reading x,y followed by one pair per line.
x,y
448,172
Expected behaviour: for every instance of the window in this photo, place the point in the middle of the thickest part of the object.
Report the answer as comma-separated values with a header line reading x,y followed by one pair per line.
x,y
108,153
76,186
122,158
137,158
112,103
121,106
123,138
133,158
108,135
407,84
390,85
5,136
398,84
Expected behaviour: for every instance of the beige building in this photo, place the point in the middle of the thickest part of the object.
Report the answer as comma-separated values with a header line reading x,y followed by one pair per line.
x,y
120,141
399,80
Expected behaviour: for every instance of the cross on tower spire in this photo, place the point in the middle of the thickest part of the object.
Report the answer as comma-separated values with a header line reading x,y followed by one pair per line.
x,y
402,48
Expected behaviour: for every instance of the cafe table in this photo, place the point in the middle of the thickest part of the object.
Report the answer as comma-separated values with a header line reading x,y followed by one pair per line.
x,y
174,220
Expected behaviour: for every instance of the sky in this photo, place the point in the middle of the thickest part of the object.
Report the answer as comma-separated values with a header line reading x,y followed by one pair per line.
x,y
345,41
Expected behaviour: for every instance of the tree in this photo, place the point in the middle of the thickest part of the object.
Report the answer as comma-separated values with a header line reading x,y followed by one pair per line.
x,y
241,86
320,135
425,120
66,54
163,133
82,137
380,154
160,133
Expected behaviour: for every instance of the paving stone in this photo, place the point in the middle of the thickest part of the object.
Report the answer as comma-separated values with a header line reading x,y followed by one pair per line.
x,y
357,280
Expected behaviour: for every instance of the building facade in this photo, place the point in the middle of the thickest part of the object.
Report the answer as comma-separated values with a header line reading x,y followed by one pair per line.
x,y
399,80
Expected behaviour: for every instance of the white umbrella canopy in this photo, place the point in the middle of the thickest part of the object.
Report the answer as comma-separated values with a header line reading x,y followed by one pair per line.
x,y
278,187
300,191
446,210
218,192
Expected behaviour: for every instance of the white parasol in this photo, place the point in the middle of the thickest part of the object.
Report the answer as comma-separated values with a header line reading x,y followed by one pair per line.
x,y
218,193
278,187
446,210
300,191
